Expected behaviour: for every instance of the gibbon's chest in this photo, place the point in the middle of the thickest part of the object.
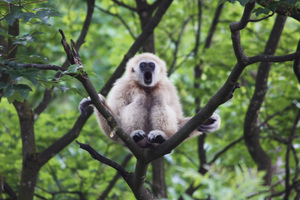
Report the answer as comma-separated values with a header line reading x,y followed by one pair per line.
x,y
145,97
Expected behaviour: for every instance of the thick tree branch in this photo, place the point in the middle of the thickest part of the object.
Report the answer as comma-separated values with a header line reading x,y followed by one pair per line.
x,y
297,63
235,34
287,157
284,9
251,130
135,181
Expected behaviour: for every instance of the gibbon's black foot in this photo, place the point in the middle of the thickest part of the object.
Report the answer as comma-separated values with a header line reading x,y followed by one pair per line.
x,y
83,105
211,124
140,138
138,135
156,136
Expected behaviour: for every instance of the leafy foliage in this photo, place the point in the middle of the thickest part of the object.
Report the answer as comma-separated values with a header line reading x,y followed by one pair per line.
x,y
72,172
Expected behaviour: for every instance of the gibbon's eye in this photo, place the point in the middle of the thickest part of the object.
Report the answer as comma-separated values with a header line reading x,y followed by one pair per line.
x,y
143,66
152,66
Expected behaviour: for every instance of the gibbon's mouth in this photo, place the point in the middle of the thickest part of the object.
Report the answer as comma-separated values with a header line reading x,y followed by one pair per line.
x,y
148,77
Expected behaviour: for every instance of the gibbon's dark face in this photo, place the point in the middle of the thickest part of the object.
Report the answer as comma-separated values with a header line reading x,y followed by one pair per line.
x,y
147,69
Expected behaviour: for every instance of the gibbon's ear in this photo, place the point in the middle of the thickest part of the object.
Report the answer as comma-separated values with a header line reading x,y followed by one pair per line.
x,y
211,124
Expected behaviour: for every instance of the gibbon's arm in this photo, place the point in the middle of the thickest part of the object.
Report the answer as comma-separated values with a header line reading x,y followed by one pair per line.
x,y
101,120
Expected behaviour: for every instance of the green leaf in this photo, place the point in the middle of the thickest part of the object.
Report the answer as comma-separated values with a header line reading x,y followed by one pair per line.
x,y
27,38
243,2
260,10
16,96
14,14
23,90
9,1
27,16
31,75
44,14
3,85
222,1
297,104
8,91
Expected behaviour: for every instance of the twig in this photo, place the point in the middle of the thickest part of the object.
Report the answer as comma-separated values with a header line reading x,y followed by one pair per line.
x,y
258,20
124,5
114,180
120,18
104,160
217,155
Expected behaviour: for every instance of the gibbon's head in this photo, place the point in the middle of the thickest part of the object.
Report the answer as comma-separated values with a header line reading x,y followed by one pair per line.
x,y
147,69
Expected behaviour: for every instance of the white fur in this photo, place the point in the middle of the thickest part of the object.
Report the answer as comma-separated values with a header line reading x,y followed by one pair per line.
x,y
138,106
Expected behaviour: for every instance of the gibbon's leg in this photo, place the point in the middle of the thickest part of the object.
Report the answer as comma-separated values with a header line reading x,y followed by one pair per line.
x,y
163,121
210,125
133,120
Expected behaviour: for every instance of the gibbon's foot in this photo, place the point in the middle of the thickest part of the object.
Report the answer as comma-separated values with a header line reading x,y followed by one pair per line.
x,y
138,135
140,138
157,136
85,102
211,124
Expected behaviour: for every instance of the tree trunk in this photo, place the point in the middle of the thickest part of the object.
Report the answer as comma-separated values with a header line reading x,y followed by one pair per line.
x,y
158,169
30,167
251,130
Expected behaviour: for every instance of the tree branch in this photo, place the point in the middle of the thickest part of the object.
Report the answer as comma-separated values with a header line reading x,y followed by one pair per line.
x,y
104,160
124,5
287,9
177,44
251,130
114,180
120,18
217,155
297,63
287,157
10,191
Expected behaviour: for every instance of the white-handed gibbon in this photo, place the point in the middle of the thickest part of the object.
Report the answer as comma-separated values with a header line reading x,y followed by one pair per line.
x,y
146,104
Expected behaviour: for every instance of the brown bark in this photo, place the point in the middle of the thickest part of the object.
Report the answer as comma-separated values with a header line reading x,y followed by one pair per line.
x,y
29,168
251,130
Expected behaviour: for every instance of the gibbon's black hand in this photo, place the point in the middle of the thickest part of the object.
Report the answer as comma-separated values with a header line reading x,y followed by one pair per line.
x,y
83,105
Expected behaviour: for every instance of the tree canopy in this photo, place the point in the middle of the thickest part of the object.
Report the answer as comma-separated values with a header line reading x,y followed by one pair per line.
x,y
237,58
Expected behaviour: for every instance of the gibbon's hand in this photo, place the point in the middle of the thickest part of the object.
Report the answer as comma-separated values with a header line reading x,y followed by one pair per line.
x,y
86,102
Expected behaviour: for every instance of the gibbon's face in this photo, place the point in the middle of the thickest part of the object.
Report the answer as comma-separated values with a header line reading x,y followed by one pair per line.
x,y
146,69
